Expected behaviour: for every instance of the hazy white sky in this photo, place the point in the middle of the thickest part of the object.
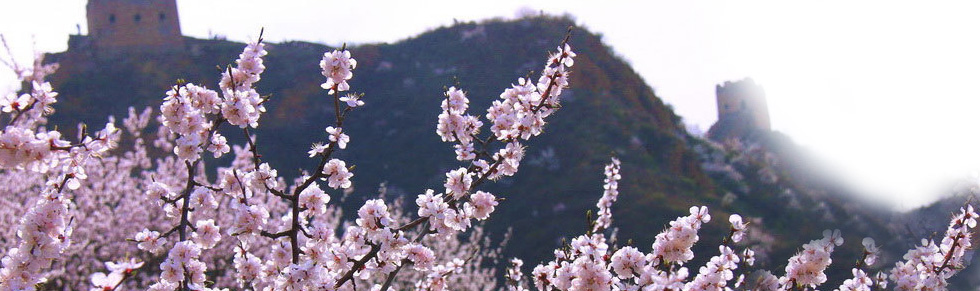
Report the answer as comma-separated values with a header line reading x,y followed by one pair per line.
x,y
882,89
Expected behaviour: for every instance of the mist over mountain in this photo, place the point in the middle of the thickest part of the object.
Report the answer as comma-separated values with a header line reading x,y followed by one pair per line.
x,y
609,110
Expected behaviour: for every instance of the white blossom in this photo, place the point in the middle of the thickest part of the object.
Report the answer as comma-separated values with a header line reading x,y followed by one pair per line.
x,y
337,67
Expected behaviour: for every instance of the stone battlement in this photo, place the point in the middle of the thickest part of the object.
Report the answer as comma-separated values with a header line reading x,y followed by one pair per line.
x,y
742,110
745,99
133,25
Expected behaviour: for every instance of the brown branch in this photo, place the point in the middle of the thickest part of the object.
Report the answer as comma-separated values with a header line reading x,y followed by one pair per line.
x,y
253,149
185,208
126,275
21,112
412,224
949,254
280,194
294,198
349,275
169,232
391,276
275,235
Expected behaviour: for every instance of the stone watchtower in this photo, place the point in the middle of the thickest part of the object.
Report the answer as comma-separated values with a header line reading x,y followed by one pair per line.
x,y
742,110
128,25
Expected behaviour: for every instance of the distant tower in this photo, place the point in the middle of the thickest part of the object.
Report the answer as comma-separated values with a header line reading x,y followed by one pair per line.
x,y
134,24
742,110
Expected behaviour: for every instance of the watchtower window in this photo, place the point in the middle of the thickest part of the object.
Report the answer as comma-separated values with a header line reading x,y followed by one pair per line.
x,y
163,16
112,18
137,18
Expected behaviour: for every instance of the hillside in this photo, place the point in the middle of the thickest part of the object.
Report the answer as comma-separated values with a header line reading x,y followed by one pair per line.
x,y
609,110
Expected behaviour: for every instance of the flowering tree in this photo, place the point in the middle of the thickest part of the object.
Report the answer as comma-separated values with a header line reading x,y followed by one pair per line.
x,y
52,166
297,247
170,224
592,262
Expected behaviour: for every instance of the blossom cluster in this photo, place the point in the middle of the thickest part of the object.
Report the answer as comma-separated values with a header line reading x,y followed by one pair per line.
x,y
807,267
928,266
43,235
517,115
44,231
338,67
182,268
193,114
117,273
108,195
609,195
191,111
